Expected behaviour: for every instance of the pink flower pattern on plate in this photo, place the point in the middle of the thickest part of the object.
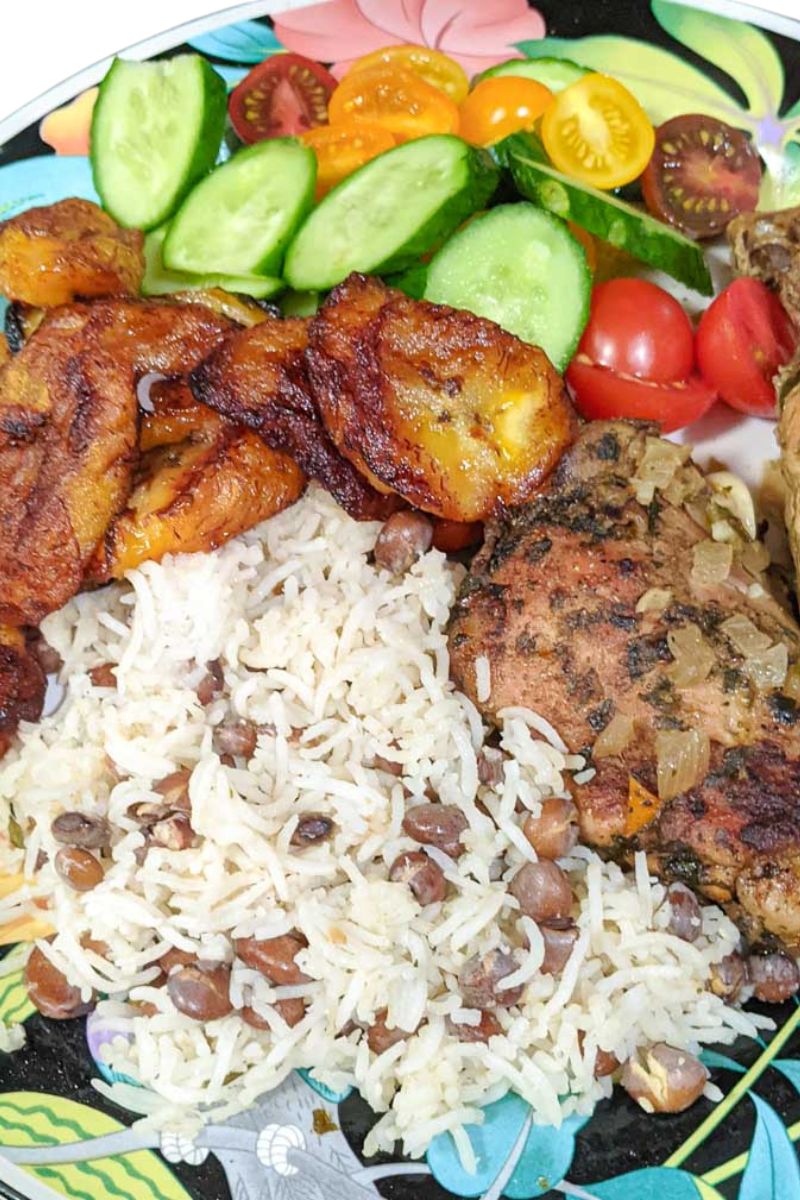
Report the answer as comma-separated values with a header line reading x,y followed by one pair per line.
x,y
477,33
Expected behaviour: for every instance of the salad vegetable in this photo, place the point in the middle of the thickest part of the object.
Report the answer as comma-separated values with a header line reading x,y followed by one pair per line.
x,y
701,174
156,129
596,131
636,358
240,219
283,95
521,267
159,281
395,208
554,73
398,99
341,149
743,340
498,107
435,68
605,216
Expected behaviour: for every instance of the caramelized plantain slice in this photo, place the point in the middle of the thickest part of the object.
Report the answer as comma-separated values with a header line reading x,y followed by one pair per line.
x,y
68,250
440,406
258,379
200,482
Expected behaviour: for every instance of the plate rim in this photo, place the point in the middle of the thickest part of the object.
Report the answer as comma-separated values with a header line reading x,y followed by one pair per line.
x,y
61,93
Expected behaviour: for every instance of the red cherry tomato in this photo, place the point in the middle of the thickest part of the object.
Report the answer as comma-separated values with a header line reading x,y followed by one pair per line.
x,y
701,174
601,394
636,328
282,96
744,337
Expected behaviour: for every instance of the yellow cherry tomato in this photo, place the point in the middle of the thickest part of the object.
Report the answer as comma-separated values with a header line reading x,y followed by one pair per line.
x,y
396,99
597,132
431,65
342,149
501,105
587,241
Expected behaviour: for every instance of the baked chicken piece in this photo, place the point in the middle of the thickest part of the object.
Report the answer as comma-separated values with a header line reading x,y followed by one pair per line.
x,y
69,434
767,245
199,482
440,406
70,250
658,653
258,378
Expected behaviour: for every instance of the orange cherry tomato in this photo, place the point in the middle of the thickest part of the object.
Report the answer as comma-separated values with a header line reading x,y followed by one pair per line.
x,y
342,149
587,241
501,105
431,65
396,99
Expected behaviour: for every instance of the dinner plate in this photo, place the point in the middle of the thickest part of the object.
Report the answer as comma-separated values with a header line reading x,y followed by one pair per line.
x,y
59,1136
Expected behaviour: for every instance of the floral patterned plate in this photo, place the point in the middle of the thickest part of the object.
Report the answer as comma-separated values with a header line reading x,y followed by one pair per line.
x,y
59,1136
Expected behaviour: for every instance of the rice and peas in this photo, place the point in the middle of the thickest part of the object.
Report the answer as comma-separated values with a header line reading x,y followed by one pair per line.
x,y
344,670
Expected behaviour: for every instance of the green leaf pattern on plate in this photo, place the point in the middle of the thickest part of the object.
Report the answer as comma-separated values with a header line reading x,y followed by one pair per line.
x,y
667,86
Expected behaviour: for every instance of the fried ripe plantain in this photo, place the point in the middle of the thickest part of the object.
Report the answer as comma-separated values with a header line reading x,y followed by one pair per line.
x,y
22,684
200,481
67,251
69,433
436,404
258,379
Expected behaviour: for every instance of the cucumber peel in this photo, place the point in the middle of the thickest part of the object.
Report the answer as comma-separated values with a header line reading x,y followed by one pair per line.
x,y
623,226
554,73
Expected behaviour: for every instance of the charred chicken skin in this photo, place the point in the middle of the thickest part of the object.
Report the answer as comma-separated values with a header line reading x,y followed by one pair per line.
x,y
660,655
69,436
67,251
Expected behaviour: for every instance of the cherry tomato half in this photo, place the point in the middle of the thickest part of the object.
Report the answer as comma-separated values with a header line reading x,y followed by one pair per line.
x,y
744,337
601,394
499,106
395,98
702,172
342,149
431,65
596,131
282,96
637,328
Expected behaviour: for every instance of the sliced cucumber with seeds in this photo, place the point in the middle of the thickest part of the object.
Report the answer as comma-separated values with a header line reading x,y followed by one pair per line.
x,y
521,267
554,73
389,212
156,129
159,281
607,217
240,218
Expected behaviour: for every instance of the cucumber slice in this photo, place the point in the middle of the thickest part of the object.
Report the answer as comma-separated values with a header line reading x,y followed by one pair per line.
x,y
522,268
300,304
156,128
554,73
390,211
621,224
411,281
158,281
240,219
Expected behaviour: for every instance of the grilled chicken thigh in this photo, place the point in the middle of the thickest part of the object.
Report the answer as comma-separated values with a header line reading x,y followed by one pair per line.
x,y
659,653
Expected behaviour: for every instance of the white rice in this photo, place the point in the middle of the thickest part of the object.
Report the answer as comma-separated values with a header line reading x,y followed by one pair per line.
x,y
342,663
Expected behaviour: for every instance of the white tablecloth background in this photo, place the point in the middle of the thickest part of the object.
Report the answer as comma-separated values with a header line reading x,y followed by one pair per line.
x,y
44,41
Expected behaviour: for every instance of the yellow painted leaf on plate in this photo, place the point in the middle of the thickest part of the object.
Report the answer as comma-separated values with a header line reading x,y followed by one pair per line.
x,y
37,1119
